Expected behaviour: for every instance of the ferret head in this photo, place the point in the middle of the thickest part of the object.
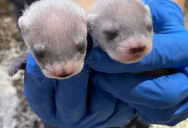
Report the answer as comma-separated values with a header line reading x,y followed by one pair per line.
x,y
122,28
55,32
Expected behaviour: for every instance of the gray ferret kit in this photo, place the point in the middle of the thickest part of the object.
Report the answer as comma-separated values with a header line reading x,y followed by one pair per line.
x,y
55,33
123,29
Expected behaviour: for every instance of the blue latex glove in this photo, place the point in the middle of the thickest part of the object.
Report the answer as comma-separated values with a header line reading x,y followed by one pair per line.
x,y
161,99
158,100
169,44
71,103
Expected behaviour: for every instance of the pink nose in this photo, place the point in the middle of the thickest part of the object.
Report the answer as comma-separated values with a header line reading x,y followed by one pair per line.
x,y
137,50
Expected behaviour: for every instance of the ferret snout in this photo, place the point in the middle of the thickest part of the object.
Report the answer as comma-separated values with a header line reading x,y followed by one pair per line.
x,y
62,70
140,45
131,50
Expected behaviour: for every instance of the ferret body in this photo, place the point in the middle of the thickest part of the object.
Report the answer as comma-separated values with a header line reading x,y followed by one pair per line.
x,y
123,29
55,33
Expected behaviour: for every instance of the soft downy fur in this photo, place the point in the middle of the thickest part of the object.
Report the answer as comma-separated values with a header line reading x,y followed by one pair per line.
x,y
55,34
122,28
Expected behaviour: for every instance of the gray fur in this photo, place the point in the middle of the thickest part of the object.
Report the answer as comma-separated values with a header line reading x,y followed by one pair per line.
x,y
126,18
55,32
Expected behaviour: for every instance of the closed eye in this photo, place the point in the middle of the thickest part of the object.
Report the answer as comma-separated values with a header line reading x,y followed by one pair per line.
x,y
110,35
39,52
81,47
150,28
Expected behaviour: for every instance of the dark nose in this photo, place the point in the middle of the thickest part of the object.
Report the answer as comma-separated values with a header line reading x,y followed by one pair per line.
x,y
64,75
137,50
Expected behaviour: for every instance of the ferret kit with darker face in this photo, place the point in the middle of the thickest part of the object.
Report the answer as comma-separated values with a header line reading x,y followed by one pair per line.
x,y
55,33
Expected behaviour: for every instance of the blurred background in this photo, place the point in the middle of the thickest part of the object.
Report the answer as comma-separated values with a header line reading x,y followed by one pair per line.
x,y
14,110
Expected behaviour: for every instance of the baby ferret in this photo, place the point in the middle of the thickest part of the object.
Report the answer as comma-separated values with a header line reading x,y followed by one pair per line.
x,y
123,29
55,33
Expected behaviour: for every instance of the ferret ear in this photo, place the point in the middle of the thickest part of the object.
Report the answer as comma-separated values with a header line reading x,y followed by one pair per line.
x,y
90,20
39,47
147,7
111,30
80,43
83,12
23,23
148,10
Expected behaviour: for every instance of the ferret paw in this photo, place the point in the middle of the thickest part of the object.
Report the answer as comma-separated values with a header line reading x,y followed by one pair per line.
x,y
17,64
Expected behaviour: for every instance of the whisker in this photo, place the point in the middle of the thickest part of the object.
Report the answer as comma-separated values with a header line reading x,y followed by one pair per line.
x,y
42,81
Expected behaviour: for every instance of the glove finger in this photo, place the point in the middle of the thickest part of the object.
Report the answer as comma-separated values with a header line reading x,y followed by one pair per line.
x,y
71,94
144,90
169,51
105,111
169,116
173,10
166,16
39,91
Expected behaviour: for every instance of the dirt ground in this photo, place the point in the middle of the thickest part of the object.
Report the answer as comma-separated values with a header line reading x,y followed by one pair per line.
x,y
14,111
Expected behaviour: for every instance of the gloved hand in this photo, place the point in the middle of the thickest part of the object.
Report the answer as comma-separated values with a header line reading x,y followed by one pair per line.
x,y
157,100
67,103
160,99
169,44
74,102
